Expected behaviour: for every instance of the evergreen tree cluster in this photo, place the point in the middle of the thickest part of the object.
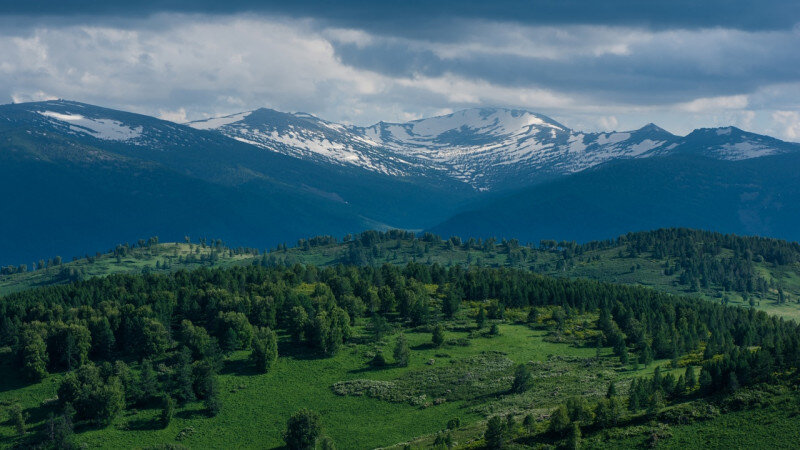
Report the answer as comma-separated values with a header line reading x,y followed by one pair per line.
x,y
184,322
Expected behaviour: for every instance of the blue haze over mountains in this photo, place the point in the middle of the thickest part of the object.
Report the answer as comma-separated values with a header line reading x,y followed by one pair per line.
x,y
78,178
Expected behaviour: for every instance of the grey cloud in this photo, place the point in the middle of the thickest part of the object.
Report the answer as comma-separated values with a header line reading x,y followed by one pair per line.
x,y
658,67
417,17
345,69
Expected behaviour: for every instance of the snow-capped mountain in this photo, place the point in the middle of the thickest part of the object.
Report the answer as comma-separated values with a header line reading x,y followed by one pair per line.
x,y
104,125
308,137
729,143
488,148
264,177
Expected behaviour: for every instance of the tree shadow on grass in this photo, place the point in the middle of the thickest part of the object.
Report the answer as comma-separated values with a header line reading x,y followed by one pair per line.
x,y
239,367
425,346
34,434
362,340
373,369
148,424
12,380
298,351
189,414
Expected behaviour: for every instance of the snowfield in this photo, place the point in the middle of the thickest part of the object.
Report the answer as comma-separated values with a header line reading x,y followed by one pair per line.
x,y
106,129
478,146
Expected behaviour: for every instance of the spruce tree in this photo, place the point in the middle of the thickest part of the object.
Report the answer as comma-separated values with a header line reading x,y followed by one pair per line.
x,y
437,338
184,380
302,430
402,353
495,433
167,410
522,379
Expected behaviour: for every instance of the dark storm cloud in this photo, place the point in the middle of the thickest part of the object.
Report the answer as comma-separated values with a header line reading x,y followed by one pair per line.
x,y
411,17
593,64
652,67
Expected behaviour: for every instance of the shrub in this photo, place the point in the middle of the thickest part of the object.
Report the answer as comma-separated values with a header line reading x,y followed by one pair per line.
x,y
167,410
302,430
495,433
438,335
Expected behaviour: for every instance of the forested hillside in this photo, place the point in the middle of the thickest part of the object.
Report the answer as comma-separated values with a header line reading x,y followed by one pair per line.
x,y
214,356
685,190
736,270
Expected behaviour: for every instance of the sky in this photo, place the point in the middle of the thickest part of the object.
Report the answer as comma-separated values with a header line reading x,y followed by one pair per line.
x,y
611,65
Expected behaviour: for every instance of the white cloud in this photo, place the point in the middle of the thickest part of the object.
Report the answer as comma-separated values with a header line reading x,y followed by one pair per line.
x,y
185,67
789,122
37,96
178,116
546,42
714,104
479,92
607,123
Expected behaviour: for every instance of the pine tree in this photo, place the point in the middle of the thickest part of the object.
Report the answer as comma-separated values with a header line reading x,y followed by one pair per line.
x,y
533,315
574,440
213,401
148,381
402,353
480,321
184,380
559,420
265,349
437,338
18,418
528,423
495,433
612,390
522,379
691,378
302,430
167,410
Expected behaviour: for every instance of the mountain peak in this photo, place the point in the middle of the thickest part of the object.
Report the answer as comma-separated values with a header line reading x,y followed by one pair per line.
x,y
483,116
651,127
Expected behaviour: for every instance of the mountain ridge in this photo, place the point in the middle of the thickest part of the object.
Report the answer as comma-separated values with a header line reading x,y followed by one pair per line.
x,y
491,149
269,177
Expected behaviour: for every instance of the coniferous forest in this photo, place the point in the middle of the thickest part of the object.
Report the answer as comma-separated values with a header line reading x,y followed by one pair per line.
x,y
474,356
399,225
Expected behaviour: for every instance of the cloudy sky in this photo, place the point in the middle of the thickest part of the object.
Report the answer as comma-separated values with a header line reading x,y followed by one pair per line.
x,y
591,65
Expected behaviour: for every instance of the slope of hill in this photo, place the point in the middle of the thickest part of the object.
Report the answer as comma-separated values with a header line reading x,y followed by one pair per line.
x,y
753,196
267,177
403,355
66,196
743,271
119,172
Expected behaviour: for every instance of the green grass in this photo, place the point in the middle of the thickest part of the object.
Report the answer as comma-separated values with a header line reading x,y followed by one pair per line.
x,y
773,424
256,406
602,265
137,261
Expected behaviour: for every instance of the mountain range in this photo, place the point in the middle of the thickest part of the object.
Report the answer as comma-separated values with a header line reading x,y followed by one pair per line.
x,y
489,149
77,177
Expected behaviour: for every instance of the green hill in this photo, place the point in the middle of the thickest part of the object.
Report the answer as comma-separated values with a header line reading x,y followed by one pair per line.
x,y
86,363
729,269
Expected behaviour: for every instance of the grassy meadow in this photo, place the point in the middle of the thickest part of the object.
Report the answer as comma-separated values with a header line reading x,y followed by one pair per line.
x,y
256,406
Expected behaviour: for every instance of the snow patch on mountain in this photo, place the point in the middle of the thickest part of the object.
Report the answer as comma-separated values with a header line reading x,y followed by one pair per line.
x,y
744,150
106,129
612,138
644,146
